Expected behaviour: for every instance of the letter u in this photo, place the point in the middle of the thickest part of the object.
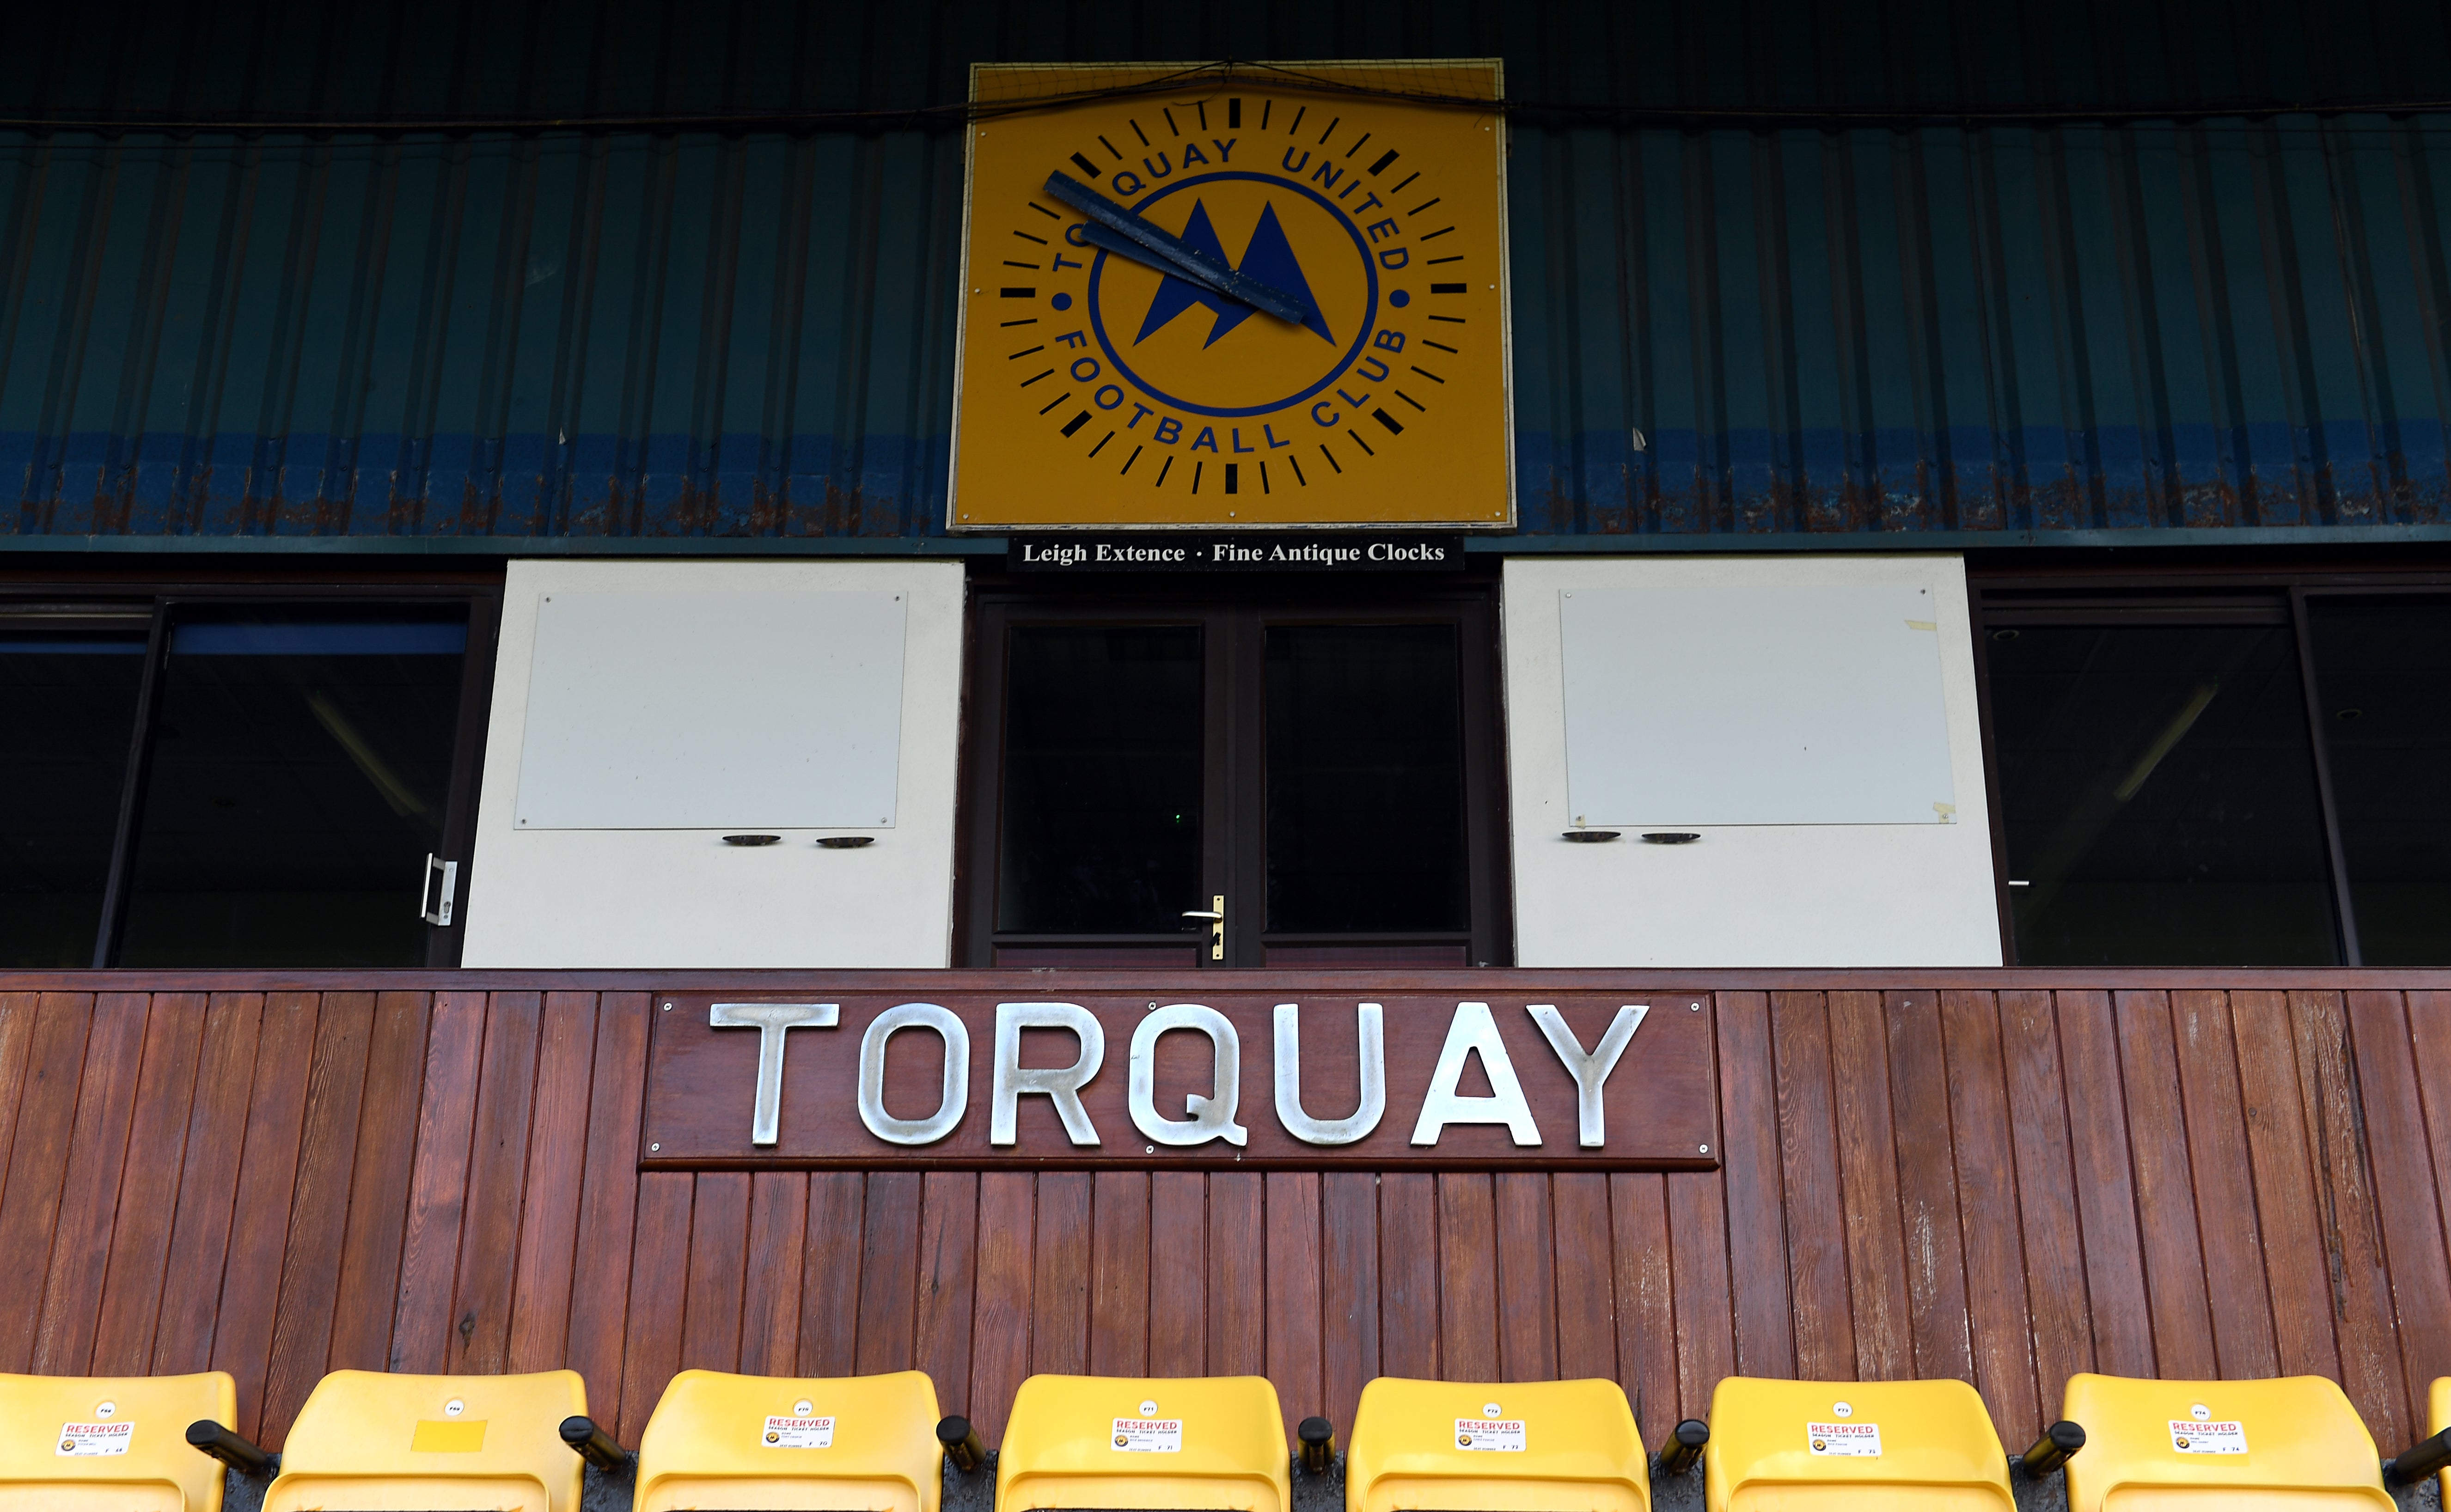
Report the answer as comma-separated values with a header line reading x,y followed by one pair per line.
x,y
1158,169
1372,1074
1292,167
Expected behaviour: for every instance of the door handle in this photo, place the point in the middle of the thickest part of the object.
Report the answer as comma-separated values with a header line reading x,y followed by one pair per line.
x,y
1215,914
434,909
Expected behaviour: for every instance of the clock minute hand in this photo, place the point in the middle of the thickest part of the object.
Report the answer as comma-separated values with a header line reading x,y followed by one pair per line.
x,y
1135,237
1097,235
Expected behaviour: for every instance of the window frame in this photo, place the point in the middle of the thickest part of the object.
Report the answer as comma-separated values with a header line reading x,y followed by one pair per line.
x,y
2002,595
161,595
1235,614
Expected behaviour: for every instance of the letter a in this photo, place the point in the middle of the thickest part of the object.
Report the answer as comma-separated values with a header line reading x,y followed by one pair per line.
x,y
1473,1029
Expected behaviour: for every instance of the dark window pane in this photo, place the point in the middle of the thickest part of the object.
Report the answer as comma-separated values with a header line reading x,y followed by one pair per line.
x,y
1365,779
68,707
2159,796
1101,781
300,761
2383,668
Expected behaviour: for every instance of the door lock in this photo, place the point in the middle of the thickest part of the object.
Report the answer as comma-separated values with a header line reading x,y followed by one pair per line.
x,y
1215,914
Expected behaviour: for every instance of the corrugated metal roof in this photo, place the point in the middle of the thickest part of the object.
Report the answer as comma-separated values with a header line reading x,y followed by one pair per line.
x,y
1733,331
2232,324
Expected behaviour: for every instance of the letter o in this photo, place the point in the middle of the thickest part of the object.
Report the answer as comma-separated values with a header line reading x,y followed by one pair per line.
x,y
955,1099
1101,399
1078,363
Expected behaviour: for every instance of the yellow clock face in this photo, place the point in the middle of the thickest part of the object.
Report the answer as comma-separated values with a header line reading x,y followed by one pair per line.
x,y
1117,368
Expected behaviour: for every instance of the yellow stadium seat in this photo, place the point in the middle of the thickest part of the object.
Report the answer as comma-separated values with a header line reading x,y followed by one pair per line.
x,y
1524,1446
1093,1442
82,1443
2288,1445
1827,1446
865,1443
2438,1419
438,1444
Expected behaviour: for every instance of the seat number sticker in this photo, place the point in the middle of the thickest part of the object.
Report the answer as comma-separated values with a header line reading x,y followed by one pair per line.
x,y
87,1440
2208,1438
1148,1435
1843,1441
1493,1434
799,1433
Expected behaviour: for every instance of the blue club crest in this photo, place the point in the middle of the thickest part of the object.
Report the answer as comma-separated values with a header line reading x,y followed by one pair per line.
x,y
1269,258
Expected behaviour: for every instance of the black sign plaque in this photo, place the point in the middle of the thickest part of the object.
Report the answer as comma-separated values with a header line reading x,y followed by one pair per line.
x,y
1235,551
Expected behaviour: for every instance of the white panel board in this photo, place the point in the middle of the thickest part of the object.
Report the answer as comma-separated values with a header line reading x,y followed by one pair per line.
x,y
676,711
1741,704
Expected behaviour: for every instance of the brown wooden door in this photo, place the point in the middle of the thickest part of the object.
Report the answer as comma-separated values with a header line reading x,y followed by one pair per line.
x,y
1323,774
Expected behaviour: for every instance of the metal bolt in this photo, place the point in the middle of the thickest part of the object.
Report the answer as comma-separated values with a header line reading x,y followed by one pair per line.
x,y
1693,1008
1706,1149
1148,1149
652,1149
668,1008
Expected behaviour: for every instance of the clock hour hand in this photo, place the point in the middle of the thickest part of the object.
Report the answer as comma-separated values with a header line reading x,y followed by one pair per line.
x,y
1135,236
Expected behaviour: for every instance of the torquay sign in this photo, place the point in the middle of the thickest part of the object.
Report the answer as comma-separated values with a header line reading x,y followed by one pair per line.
x,y
1241,1078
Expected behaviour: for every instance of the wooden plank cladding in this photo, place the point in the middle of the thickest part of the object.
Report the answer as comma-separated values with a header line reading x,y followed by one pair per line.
x,y
2000,1177
1515,1075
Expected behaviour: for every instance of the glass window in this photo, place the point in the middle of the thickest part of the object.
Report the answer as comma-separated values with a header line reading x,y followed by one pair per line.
x,y
1102,781
1364,779
2158,795
299,769
1307,777
67,711
2383,669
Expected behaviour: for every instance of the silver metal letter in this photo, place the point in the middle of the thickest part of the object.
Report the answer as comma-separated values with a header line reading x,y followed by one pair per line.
x,y
1472,1028
1591,1072
771,1021
951,1105
1371,1028
1062,1084
1213,1117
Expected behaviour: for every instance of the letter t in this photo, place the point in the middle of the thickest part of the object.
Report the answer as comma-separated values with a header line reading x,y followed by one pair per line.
x,y
771,1021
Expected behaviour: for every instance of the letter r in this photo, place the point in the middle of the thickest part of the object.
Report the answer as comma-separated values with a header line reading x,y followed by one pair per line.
x,y
1060,1085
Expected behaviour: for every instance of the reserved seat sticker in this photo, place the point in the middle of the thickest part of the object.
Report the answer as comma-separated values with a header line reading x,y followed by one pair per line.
x,y
1490,1435
2208,1438
1148,1435
1843,1441
88,1441
799,1433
